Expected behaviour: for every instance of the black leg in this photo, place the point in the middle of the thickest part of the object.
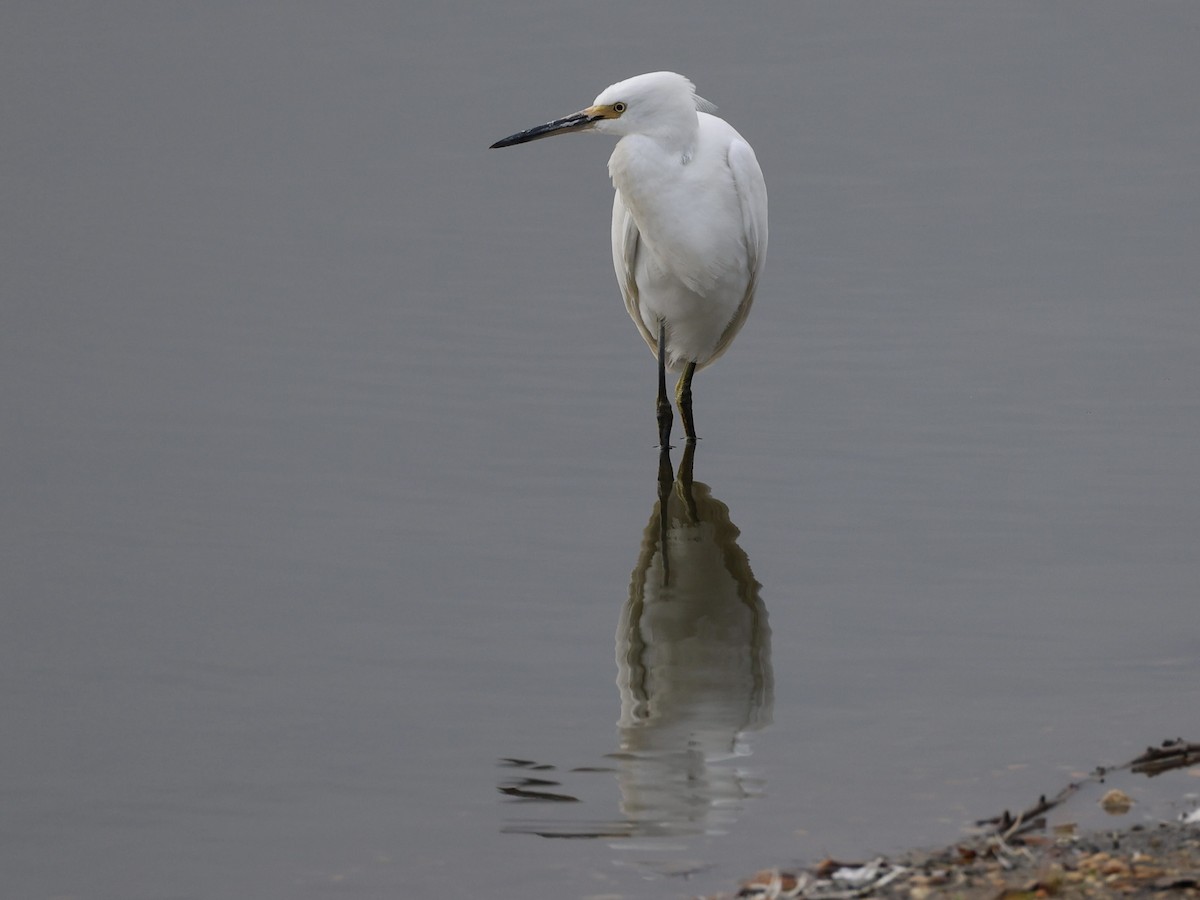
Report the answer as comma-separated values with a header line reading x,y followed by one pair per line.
x,y
683,396
664,405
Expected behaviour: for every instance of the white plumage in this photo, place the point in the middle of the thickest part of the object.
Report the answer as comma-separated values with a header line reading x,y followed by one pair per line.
x,y
689,224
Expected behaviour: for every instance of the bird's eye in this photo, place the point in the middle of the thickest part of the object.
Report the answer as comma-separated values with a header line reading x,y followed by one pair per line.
x,y
618,107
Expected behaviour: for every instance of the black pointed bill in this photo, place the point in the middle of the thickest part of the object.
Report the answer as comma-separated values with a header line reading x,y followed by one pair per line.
x,y
575,122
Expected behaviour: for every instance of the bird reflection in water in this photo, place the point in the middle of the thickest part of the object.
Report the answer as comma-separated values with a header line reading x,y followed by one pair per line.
x,y
694,665
693,654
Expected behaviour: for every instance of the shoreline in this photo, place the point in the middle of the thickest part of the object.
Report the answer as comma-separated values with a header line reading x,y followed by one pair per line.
x,y
1138,861
1026,855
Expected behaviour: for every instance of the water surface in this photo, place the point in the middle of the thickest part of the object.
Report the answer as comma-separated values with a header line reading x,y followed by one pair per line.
x,y
329,480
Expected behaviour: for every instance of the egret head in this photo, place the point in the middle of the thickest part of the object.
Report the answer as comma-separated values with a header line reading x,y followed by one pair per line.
x,y
654,103
646,104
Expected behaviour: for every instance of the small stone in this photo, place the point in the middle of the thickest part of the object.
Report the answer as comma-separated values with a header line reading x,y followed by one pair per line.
x,y
1050,876
1116,802
1114,867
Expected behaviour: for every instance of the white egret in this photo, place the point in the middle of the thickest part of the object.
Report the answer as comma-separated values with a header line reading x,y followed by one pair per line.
x,y
689,222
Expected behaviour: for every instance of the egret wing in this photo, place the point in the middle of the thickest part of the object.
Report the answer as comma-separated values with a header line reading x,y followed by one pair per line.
x,y
626,243
752,198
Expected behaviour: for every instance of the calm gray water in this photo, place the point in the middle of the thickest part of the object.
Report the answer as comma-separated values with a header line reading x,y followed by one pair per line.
x,y
328,469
